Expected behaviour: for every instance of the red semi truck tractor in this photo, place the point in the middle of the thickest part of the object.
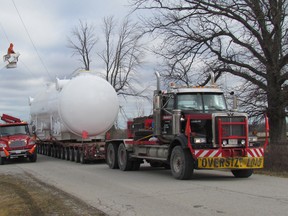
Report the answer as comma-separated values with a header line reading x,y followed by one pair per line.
x,y
191,128
15,140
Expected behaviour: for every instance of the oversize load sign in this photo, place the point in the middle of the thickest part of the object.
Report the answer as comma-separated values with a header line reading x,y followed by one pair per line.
x,y
233,163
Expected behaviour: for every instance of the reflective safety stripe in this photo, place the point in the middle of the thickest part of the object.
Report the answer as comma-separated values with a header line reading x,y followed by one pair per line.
x,y
255,152
230,163
208,153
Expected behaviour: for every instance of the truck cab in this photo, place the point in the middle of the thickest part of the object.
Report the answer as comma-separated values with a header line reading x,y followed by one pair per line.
x,y
15,140
191,128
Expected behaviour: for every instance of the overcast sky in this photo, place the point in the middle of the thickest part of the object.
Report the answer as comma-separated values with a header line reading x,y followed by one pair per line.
x,y
39,30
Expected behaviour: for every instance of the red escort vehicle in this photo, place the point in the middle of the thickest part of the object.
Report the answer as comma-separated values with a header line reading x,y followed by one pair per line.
x,y
15,140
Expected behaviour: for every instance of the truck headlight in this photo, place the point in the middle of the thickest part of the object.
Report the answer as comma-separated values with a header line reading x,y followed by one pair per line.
x,y
199,140
2,145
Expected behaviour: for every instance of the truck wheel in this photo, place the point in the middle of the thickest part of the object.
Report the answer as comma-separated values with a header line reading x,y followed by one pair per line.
x,y
111,155
123,158
2,160
181,163
244,173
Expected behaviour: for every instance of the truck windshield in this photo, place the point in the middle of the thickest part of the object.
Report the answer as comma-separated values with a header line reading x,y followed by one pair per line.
x,y
13,130
202,102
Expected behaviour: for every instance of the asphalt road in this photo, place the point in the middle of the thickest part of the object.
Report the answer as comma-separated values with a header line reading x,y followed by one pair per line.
x,y
153,191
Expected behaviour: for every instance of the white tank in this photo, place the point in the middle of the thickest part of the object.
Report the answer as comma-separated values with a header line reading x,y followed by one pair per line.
x,y
67,108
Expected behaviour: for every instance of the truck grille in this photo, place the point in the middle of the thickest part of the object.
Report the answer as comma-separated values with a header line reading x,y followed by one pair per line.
x,y
17,143
233,129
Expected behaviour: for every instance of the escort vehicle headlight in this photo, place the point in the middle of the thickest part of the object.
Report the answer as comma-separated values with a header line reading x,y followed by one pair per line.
x,y
199,140
243,142
224,142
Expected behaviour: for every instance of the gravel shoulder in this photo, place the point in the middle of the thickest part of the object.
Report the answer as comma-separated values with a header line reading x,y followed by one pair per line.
x,y
27,196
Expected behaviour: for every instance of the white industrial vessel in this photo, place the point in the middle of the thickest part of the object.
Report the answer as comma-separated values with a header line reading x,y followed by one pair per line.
x,y
72,110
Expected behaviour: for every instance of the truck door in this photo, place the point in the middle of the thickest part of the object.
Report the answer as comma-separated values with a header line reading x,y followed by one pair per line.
x,y
168,106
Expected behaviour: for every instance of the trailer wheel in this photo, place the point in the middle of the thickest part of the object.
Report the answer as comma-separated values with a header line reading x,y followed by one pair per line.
x,y
63,153
48,150
58,152
52,151
82,157
76,155
111,155
123,159
66,152
244,173
71,154
2,160
181,163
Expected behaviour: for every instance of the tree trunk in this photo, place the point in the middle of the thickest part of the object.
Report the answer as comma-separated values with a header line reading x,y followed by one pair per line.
x,y
277,126
276,153
276,106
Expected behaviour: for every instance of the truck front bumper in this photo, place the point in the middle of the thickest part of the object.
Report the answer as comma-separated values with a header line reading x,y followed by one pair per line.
x,y
15,154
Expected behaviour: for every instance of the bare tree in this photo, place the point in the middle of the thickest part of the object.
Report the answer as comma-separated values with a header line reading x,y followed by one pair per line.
x,y
246,38
122,55
82,42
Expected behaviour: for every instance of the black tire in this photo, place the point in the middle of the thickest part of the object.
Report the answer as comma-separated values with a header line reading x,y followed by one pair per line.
x,y
123,159
44,150
58,152
82,157
41,149
2,160
38,149
76,155
66,152
112,155
244,173
71,154
181,162
33,157
52,151
49,150
61,153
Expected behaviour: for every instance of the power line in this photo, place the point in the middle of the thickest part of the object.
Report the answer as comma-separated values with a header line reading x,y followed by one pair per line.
x,y
42,62
4,33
